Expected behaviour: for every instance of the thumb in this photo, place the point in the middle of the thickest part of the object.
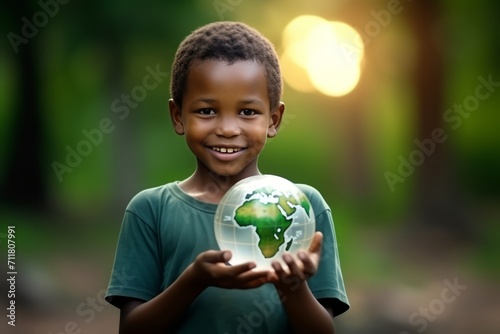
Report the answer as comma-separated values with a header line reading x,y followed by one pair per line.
x,y
214,256
316,243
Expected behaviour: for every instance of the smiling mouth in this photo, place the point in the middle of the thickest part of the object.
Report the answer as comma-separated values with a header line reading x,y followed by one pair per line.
x,y
226,149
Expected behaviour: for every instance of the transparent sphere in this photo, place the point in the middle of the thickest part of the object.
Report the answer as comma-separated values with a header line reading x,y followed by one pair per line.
x,y
262,217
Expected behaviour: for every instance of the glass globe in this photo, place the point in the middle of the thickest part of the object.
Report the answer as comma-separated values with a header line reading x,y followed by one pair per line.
x,y
262,217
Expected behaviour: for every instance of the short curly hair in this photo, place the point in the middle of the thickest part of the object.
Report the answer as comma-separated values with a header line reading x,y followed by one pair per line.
x,y
226,41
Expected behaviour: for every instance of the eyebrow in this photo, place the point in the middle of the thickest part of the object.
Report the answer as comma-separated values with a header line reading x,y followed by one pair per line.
x,y
242,102
203,99
250,101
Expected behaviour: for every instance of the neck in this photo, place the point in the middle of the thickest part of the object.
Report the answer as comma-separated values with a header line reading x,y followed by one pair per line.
x,y
209,187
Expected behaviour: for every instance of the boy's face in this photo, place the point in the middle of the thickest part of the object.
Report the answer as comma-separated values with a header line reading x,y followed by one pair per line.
x,y
226,116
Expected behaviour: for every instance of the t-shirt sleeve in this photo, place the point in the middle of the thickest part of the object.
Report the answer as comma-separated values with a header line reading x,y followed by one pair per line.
x,y
328,283
137,270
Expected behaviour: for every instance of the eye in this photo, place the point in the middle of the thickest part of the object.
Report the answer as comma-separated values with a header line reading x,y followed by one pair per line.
x,y
206,111
247,112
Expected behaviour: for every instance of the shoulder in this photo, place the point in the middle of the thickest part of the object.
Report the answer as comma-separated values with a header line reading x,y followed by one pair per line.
x,y
310,191
150,199
317,201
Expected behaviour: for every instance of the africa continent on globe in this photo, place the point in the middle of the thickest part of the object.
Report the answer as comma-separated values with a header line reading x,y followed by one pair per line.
x,y
261,217
270,212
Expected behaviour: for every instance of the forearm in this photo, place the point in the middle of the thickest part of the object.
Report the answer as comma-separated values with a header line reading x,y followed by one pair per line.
x,y
305,313
162,313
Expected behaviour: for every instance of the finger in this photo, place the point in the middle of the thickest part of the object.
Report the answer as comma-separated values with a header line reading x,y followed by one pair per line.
x,y
240,268
250,284
254,275
213,256
309,266
254,278
316,243
294,265
273,276
278,269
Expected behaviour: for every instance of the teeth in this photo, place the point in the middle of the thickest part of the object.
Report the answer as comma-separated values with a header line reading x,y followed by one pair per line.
x,y
225,150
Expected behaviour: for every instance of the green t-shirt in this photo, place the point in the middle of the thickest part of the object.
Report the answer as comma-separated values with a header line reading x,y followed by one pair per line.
x,y
163,231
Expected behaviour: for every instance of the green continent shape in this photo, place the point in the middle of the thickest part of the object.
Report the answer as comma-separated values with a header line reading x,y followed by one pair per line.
x,y
285,201
270,224
289,204
305,204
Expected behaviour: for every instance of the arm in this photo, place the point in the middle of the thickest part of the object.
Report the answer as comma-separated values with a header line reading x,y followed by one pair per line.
x,y
305,313
163,312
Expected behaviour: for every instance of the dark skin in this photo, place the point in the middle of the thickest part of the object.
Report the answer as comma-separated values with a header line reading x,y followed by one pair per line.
x,y
226,120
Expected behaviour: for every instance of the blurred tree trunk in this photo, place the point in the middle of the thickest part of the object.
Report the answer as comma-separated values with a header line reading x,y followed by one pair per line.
x,y
428,82
125,151
437,202
23,183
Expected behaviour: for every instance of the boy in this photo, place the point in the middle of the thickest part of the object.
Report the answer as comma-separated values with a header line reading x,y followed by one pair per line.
x,y
169,275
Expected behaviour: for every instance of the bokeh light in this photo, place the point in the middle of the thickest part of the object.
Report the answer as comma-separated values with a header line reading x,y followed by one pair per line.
x,y
321,55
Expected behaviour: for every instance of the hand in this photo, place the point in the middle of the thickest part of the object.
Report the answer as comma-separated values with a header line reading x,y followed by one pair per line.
x,y
298,268
210,268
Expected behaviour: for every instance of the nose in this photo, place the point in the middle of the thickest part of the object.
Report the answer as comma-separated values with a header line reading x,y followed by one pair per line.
x,y
227,126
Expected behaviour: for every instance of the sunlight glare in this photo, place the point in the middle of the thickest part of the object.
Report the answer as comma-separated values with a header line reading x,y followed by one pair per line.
x,y
330,53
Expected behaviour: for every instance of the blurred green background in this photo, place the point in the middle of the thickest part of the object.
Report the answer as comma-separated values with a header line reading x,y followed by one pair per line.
x,y
400,246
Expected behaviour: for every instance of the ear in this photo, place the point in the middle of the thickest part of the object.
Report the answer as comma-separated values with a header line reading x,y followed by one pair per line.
x,y
176,117
275,121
